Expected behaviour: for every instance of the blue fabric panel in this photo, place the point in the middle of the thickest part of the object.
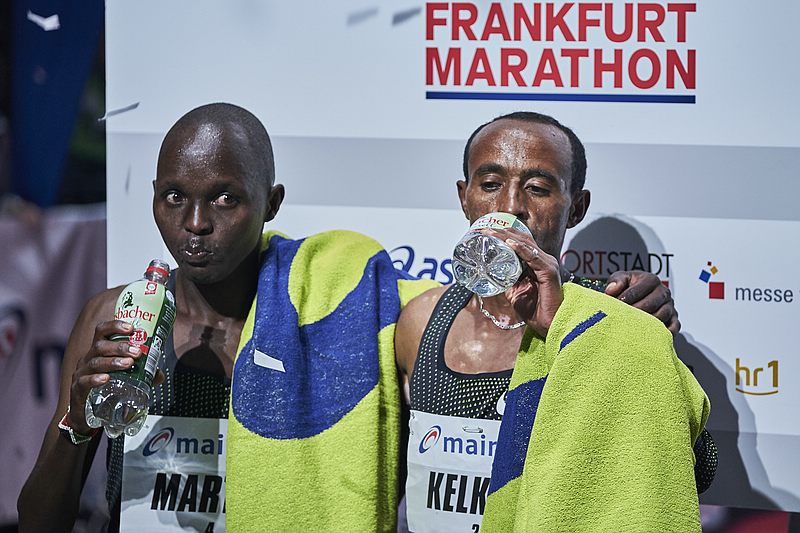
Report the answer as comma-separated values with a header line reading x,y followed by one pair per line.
x,y
49,72
515,432
330,365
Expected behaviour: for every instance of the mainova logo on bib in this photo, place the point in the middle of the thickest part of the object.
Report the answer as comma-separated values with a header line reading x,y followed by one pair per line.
x,y
430,439
457,445
183,444
158,441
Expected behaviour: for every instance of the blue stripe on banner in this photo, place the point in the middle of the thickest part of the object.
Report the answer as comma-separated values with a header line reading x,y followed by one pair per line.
x,y
580,328
565,97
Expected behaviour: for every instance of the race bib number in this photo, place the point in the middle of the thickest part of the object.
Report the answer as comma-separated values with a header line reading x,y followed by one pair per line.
x,y
449,466
173,476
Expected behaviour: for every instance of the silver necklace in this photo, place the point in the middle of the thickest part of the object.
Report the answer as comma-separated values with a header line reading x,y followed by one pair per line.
x,y
496,322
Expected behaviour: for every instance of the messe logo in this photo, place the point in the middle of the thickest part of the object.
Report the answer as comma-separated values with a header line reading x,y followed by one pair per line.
x,y
757,381
716,289
744,293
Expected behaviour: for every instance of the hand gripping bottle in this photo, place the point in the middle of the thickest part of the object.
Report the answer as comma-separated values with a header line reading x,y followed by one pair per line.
x,y
121,404
484,264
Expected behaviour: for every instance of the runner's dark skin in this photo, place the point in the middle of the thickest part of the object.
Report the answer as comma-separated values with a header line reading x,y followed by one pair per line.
x,y
210,202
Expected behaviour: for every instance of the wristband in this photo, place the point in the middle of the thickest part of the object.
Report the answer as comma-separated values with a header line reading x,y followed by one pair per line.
x,y
73,436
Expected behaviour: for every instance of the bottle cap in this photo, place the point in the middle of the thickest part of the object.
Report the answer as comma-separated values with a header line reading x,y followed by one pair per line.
x,y
498,220
158,266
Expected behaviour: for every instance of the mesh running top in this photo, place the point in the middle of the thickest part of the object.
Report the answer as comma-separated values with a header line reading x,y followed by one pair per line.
x,y
437,389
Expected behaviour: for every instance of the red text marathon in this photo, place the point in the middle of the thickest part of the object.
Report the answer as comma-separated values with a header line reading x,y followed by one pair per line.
x,y
589,45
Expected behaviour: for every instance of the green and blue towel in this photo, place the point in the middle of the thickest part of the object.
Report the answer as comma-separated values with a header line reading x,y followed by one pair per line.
x,y
314,430
598,429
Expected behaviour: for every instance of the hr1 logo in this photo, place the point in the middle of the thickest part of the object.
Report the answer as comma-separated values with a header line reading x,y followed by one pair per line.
x,y
756,386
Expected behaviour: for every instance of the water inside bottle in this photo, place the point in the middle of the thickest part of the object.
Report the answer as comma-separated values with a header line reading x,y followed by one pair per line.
x,y
485,265
118,407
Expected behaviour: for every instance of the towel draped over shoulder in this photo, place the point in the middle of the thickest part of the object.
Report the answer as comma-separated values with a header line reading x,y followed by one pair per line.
x,y
598,429
314,429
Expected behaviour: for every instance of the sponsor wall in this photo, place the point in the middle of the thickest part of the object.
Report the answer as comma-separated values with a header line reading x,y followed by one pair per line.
x,y
685,109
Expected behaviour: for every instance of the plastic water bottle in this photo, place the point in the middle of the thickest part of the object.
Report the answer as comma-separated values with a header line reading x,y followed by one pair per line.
x,y
484,264
122,403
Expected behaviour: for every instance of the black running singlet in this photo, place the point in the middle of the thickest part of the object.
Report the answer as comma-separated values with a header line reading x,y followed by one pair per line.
x,y
184,392
437,389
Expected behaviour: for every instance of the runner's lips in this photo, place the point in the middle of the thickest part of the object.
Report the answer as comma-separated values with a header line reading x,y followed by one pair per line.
x,y
196,256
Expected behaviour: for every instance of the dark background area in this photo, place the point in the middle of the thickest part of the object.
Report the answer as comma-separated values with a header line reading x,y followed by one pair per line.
x,y
5,92
82,178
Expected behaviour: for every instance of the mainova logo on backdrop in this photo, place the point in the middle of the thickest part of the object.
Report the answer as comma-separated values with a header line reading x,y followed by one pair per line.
x,y
561,51
740,291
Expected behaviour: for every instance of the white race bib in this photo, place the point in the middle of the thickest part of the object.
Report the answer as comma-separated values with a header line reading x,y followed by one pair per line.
x,y
173,476
449,466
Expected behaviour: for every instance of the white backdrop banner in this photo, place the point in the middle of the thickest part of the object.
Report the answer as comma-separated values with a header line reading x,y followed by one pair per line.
x,y
686,109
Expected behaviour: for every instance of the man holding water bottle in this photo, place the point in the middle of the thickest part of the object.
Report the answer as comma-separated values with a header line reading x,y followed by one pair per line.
x,y
600,416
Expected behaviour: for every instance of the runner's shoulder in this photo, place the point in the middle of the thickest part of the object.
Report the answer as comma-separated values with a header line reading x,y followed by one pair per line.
x,y
99,307
423,305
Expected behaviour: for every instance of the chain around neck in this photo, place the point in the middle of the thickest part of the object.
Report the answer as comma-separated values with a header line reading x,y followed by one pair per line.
x,y
496,322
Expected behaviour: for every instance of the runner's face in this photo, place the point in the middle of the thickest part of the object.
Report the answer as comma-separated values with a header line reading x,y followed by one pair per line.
x,y
524,169
209,209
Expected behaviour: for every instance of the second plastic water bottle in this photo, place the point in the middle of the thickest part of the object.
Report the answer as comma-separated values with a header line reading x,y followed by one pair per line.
x,y
122,403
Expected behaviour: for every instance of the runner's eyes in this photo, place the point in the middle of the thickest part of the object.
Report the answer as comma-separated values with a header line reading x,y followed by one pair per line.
x,y
226,200
173,197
